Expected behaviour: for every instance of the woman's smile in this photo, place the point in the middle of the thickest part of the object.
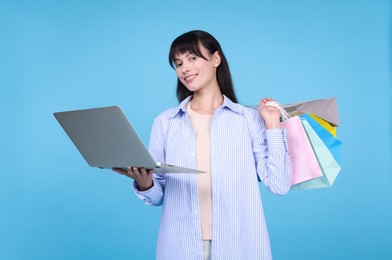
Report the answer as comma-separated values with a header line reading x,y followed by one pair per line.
x,y
190,78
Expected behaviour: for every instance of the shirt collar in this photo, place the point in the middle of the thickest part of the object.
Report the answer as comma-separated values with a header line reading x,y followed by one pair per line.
x,y
231,105
227,103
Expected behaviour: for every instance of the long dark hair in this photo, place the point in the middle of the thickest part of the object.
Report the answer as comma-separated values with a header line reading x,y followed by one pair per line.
x,y
189,42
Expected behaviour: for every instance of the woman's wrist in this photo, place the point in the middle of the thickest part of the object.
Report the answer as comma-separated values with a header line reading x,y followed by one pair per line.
x,y
272,123
144,186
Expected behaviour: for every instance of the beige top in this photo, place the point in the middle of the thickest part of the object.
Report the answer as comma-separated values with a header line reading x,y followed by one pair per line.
x,y
202,125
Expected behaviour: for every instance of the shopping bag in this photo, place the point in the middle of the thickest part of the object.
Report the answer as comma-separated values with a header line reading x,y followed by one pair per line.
x,y
330,128
304,162
333,144
329,166
326,108
326,148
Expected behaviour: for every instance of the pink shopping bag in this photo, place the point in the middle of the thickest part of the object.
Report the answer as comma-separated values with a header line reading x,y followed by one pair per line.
x,y
303,158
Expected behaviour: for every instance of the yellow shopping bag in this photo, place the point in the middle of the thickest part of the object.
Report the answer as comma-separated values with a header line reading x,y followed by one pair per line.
x,y
325,124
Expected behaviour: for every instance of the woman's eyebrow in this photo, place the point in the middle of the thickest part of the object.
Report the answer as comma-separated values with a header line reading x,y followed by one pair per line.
x,y
177,58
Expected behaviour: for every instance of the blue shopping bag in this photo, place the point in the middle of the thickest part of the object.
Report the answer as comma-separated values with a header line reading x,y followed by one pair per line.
x,y
333,144
326,150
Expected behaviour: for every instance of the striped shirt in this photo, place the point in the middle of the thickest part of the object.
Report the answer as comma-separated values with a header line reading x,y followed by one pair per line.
x,y
241,150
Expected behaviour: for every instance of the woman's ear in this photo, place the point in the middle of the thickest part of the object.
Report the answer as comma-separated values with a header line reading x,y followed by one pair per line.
x,y
216,59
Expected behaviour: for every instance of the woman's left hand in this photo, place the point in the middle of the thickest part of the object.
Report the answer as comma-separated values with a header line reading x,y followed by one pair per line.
x,y
270,114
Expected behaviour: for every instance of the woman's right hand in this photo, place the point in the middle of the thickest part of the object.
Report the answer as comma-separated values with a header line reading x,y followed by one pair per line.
x,y
142,176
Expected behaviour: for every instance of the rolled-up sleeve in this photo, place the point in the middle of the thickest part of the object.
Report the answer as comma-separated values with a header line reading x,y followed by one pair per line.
x,y
272,157
152,196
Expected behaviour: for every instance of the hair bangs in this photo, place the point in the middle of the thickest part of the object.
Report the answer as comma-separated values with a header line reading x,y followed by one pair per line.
x,y
184,44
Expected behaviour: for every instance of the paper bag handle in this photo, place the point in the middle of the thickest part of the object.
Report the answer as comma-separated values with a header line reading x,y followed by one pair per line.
x,y
283,112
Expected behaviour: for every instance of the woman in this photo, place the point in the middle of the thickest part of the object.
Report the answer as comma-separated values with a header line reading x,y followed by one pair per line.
x,y
217,214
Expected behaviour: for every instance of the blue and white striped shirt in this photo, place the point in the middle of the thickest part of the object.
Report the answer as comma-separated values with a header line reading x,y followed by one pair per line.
x,y
241,149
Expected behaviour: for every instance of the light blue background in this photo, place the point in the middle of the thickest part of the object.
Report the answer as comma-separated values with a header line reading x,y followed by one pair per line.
x,y
63,55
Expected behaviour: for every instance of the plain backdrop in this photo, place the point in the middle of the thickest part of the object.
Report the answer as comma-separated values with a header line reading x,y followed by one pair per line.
x,y
64,55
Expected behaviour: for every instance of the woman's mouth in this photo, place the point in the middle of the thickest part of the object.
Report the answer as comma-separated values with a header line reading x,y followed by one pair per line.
x,y
189,78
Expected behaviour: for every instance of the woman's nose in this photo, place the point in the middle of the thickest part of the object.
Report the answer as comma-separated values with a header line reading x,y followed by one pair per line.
x,y
185,67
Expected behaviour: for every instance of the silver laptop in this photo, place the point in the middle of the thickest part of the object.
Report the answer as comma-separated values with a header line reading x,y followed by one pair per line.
x,y
106,139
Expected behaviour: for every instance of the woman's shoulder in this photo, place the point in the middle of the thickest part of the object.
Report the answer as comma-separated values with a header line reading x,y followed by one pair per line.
x,y
252,117
247,111
238,108
174,111
168,113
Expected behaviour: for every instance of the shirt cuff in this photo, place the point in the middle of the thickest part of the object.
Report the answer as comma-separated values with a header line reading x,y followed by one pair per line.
x,y
277,139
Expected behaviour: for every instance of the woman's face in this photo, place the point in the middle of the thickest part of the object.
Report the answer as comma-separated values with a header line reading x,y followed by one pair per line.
x,y
197,73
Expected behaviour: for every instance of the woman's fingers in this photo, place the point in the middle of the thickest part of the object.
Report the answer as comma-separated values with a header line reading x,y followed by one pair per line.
x,y
120,171
134,172
139,173
142,176
267,102
123,172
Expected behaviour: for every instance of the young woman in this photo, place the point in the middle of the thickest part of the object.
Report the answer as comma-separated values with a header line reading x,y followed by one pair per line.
x,y
218,214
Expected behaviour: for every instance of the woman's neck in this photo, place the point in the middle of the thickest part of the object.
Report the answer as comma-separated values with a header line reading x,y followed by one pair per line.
x,y
206,103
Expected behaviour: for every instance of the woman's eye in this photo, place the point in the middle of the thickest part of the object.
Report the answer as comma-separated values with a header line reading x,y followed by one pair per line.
x,y
193,58
178,65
